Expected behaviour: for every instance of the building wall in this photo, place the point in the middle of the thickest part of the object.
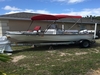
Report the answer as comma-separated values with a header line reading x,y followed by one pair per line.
x,y
3,27
23,25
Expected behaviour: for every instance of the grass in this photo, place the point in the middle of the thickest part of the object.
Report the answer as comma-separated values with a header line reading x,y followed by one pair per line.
x,y
62,60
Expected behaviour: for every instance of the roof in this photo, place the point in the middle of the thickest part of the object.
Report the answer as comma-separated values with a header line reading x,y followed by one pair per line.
x,y
20,15
27,16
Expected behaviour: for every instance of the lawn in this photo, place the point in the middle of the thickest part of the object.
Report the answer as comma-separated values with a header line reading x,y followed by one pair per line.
x,y
61,60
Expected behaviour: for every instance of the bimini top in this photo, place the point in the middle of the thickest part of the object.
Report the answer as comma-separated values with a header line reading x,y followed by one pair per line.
x,y
52,17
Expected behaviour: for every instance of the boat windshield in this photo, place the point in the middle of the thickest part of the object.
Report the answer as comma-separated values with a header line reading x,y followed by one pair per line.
x,y
53,26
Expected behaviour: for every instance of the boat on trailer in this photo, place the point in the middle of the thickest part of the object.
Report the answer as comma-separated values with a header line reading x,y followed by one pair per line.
x,y
51,35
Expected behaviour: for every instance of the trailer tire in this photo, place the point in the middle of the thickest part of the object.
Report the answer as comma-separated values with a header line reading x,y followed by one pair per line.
x,y
84,44
98,33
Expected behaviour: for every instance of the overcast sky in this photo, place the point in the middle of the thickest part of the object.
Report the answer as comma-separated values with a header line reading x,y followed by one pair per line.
x,y
71,7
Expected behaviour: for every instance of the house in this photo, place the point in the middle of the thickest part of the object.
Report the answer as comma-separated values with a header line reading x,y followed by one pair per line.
x,y
21,22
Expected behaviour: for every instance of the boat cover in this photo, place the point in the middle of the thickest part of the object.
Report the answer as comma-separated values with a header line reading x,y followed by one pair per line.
x,y
52,17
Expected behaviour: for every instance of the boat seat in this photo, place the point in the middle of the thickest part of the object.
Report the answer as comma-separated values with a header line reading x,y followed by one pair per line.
x,y
50,31
37,28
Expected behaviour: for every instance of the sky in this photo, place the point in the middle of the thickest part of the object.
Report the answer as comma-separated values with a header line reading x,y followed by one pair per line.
x,y
69,7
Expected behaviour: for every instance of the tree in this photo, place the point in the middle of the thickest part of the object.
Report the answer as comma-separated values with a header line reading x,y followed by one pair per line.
x,y
98,17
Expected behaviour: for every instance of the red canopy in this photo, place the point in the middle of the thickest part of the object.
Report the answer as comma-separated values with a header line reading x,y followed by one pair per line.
x,y
52,17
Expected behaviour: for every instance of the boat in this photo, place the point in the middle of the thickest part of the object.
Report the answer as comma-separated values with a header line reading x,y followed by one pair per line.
x,y
52,34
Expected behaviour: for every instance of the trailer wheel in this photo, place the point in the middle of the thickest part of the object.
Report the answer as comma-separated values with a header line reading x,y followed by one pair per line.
x,y
85,44
98,33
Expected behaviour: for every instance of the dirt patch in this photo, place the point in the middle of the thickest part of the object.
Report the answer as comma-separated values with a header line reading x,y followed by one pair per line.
x,y
17,58
93,72
96,51
51,51
81,53
63,54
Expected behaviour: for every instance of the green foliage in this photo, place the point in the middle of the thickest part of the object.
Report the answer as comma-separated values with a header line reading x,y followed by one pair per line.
x,y
1,73
4,58
98,17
